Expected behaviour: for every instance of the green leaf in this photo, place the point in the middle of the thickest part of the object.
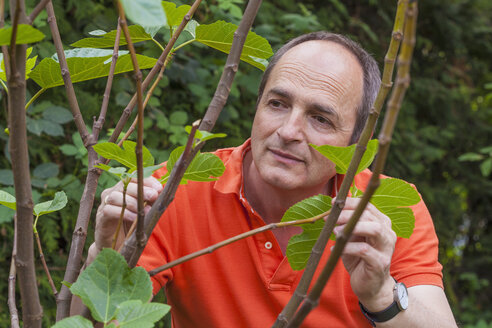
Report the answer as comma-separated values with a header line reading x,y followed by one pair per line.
x,y
471,157
46,170
6,177
394,193
174,15
30,62
69,150
107,40
219,35
48,74
108,282
402,220
7,199
88,53
135,314
56,204
341,156
204,167
392,198
486,167
299,246
125,156
205,135
25,34
77,321
57,114
178,118
147,13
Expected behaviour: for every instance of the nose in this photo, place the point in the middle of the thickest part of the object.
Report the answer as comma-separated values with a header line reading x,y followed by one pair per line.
x,y
292,127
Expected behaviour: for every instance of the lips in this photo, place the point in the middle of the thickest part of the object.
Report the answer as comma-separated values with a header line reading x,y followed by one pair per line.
x,y
285,157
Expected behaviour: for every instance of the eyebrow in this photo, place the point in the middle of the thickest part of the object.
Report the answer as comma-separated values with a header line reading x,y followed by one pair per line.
x,y
327,110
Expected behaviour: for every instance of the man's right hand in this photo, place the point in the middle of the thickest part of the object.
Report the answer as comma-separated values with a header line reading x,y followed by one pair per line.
x,y
108,213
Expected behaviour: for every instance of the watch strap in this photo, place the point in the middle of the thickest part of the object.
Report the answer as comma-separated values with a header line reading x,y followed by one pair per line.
x,y
380,316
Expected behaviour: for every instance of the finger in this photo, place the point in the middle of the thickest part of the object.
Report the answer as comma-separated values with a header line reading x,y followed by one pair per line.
x,y
116,199
375,233
374,259
149,193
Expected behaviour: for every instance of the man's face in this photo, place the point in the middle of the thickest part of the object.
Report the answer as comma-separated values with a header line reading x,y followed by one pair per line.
x,y
311,97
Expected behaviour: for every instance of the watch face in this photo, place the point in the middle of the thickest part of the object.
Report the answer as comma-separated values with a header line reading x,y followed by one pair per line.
x,y
402,296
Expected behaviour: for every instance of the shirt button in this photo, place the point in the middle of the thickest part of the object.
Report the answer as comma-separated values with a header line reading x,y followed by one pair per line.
x,y
268,245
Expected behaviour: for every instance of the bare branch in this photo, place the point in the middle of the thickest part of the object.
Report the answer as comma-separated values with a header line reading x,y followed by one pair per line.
x,y
14,315
37,10
320,245
24,259
130,250
97,126
138,149
45,266
231,240
160,62
394,104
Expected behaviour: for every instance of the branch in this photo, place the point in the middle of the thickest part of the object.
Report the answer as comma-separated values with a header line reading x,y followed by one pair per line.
x,y
24,259
231,240
72,98
45,266
147,97
14,315
130,251
138,149
97,126
394,104
37,10
320,245
160,62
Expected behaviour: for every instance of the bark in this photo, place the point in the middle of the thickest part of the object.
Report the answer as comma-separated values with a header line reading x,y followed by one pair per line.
x,y
24,260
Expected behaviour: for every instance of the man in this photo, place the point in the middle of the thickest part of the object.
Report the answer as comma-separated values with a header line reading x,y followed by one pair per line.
x,y
317,89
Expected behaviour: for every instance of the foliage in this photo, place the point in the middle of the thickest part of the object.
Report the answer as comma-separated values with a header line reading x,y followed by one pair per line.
x,y
393,198
447,113
112,291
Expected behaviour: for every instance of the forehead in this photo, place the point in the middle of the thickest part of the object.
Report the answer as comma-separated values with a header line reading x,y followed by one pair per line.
x,y
320,66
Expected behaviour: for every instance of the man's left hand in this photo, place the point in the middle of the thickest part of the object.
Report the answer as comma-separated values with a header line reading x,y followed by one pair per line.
x,y
367,255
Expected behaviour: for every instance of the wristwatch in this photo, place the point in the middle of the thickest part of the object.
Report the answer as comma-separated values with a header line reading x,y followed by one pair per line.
x,y
400,303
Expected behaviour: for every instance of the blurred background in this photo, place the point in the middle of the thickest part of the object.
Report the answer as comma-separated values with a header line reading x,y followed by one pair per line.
x,y
442,144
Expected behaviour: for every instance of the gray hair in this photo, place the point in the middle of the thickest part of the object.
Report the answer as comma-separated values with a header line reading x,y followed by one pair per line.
x,y
372,75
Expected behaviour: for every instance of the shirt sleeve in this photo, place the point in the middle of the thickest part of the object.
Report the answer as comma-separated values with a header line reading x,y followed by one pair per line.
x,y
415,259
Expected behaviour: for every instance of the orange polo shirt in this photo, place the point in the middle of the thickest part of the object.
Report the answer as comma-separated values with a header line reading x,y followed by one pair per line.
x,y
248,283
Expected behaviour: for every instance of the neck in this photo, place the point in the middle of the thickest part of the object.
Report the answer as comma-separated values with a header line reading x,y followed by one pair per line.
x,y
269,201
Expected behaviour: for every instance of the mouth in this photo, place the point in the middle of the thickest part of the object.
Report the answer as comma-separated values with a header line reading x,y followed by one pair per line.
x,y
284,157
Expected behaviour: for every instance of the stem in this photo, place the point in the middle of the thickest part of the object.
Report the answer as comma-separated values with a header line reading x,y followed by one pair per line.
x,y
97,126
231,240
120,221
4,86
320,245
158,44
131,251
37,10
183,44
147,97
36,95
160,62
14,315
41,256
24,260
394,105
141,240
67,80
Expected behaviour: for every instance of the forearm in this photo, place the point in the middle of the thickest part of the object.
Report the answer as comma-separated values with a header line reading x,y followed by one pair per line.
x,y
427,307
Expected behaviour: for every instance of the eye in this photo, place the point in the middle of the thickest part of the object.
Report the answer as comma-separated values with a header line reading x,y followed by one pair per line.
x,y
276,104
323,122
